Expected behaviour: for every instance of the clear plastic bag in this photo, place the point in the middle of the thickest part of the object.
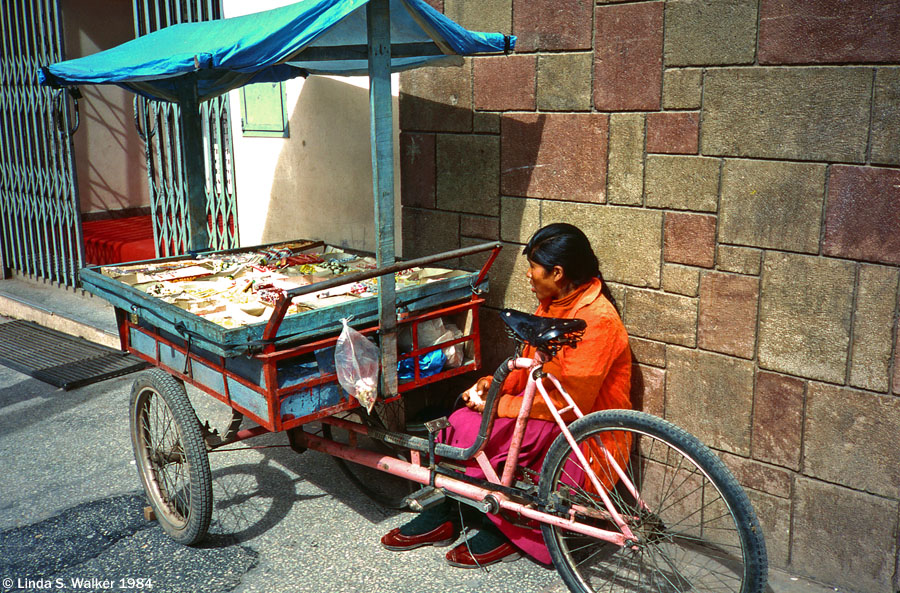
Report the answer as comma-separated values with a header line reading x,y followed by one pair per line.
x,y
356,361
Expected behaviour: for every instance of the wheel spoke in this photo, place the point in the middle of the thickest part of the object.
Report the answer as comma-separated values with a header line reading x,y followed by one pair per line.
x,y
693,529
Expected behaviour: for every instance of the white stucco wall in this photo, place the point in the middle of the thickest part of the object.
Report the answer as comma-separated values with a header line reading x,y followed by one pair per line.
x,y
316,184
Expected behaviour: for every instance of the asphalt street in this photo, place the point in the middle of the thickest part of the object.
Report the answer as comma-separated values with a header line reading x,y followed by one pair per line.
x,y
71,514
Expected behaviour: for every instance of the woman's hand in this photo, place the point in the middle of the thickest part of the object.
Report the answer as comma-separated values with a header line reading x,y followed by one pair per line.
x,y
473,396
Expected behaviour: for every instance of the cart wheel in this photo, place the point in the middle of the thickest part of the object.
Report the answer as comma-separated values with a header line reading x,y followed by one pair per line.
x,y
171,456
386,489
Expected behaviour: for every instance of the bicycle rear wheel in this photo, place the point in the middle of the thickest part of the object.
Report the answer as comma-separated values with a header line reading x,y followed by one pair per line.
x,y
697,532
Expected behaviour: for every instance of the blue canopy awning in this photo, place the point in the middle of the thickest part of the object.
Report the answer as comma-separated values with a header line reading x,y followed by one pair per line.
x,y
308,37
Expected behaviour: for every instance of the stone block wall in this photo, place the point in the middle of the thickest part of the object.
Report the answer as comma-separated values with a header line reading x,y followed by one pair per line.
x,y
736,164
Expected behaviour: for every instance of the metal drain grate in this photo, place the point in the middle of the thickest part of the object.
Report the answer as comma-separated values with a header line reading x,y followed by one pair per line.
x,y
60,359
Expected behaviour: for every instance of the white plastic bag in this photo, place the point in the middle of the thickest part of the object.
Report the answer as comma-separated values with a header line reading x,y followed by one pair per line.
x,y
435,331
356,361
454,353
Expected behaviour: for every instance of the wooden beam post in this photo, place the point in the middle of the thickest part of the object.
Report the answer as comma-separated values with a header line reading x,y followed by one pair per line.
x,y
192,155
381,131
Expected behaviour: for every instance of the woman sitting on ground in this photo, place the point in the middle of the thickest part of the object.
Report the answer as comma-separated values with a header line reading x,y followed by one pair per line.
x,y
565,277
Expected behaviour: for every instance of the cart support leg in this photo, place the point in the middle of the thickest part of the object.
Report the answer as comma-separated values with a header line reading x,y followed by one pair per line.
x,y
194,171
381,121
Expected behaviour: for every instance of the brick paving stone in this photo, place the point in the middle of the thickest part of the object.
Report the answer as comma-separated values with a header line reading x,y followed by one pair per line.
x,y
564,82
886,117
536,156
468,176
870,351
778,419
772,204
484,15
663,317
426,232
804,315
682,88
690,239
682,182
704,33
626,158
711,396
673,132
552,25
505,83
628,64
863,214
834,524
829,31
728,305
417,174
648,389
436,99
809,114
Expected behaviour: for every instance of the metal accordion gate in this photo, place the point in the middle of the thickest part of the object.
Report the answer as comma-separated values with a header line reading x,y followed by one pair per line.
x,y
40,220
159,127
40,217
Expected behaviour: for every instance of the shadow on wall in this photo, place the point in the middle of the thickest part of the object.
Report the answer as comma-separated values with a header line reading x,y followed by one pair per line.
x,y
460,188
452,179
112,170
109,154
322,187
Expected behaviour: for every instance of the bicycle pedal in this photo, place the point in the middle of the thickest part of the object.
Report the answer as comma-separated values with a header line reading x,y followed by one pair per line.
x,y
425,498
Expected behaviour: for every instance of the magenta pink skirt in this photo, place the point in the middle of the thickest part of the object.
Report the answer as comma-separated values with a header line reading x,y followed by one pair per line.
x,y
539,434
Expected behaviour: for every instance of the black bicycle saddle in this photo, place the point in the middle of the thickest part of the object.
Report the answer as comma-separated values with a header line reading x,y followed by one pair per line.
x,y
544,333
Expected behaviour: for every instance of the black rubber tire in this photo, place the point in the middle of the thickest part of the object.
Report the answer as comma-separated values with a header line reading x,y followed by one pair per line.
x,y
171,456
699,533
385,489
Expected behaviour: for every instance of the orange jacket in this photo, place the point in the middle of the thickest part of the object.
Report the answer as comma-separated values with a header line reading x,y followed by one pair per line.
x,y
596,373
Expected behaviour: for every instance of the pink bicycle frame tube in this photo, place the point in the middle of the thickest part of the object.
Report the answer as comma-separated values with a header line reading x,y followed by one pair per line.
x,y
528,396
571,406
421,474
515,444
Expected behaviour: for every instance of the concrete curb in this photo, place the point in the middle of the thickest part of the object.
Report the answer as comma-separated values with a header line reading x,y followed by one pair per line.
x,y
59,309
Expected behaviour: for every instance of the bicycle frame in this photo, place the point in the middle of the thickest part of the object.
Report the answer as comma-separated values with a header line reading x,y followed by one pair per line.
x,y
495,494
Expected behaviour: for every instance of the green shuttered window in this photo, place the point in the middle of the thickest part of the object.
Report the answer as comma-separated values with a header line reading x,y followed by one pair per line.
x,y
263,110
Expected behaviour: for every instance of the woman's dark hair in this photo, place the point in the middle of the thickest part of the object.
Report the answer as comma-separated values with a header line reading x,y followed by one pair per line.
x,y
565,245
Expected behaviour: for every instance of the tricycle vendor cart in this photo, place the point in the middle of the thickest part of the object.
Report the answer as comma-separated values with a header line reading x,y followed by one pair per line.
x,y
625,501
246,366
231,324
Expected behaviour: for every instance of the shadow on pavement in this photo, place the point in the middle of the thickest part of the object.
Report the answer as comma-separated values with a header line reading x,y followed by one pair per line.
x,y
109,540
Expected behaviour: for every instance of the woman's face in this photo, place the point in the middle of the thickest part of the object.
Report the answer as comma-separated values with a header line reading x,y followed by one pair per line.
x,y
545,283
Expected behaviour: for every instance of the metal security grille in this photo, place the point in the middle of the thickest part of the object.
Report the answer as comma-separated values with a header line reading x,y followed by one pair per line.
x,y
40,222
60,359
158,124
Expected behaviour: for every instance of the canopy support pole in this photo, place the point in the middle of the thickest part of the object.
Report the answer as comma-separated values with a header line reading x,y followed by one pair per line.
x,y
192,156
381,132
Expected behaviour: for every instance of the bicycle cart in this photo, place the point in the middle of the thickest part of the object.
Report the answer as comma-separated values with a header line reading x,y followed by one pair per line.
x,y
626,501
